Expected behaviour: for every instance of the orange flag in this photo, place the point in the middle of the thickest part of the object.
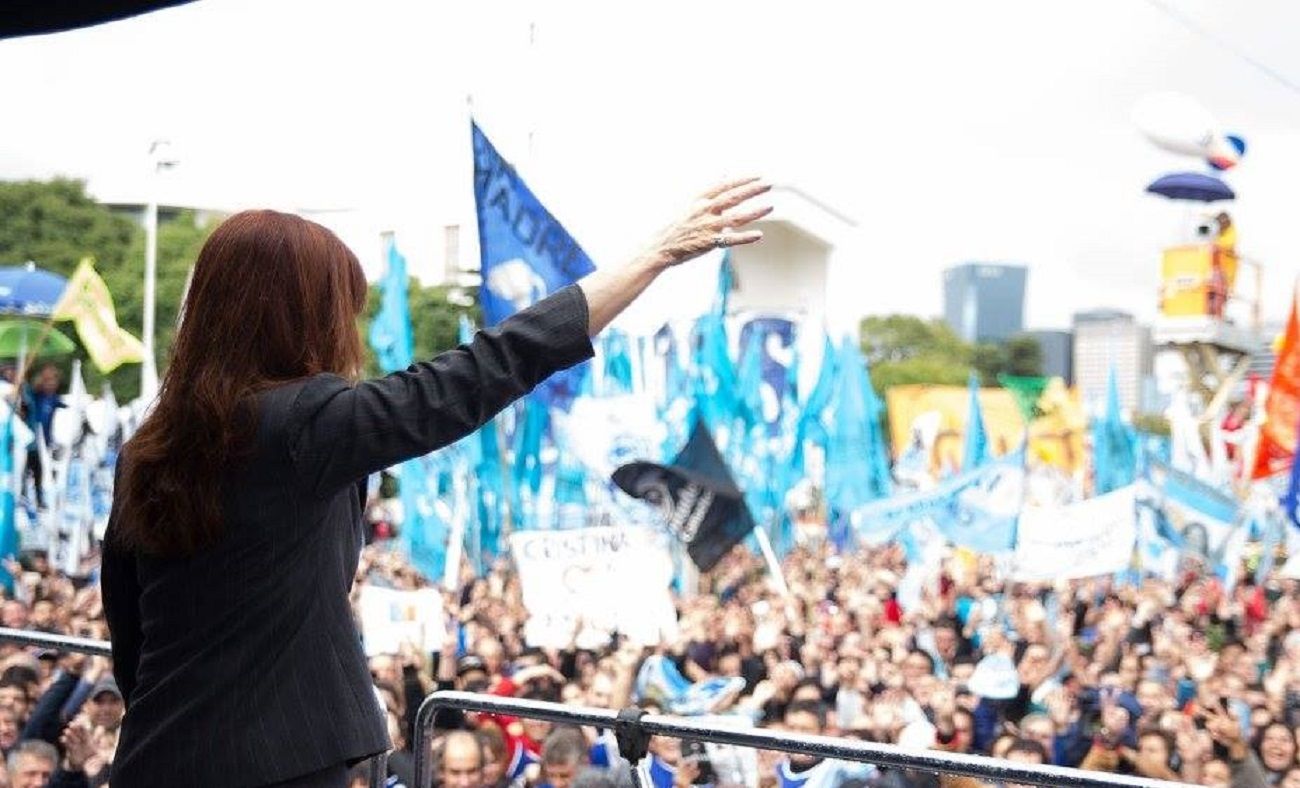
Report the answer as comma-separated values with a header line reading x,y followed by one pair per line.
x,y
1277,437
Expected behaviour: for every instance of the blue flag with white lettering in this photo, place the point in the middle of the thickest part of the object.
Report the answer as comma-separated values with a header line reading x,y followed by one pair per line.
x,y
525,253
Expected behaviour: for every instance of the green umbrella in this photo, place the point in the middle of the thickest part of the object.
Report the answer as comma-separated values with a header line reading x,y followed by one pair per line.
x,y
19,336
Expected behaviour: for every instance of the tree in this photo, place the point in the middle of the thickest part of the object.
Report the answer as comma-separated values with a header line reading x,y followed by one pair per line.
x,y
894,338
179,241
55,224
902,349
1021,356
1024,356
931,370
988,360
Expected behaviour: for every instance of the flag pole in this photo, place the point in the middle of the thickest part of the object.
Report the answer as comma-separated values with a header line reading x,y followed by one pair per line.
x,y
769,555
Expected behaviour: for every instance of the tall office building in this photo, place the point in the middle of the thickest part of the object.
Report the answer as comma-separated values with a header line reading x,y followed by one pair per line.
x,y
1106,339
1058,352
984,302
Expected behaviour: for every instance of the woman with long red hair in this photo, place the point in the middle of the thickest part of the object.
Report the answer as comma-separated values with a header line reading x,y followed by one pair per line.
x,y
236,524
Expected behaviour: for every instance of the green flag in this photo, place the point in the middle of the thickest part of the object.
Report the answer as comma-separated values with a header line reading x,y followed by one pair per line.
x,y
1027,391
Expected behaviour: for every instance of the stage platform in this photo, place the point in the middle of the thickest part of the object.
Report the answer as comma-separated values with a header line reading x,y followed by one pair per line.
x,y
1202,330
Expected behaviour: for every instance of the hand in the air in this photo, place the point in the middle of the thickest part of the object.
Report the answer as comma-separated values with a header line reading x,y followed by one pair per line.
x,y
714,222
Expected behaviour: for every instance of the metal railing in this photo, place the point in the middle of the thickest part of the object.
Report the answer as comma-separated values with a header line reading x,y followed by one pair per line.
x,y
634,730
27,637
102,648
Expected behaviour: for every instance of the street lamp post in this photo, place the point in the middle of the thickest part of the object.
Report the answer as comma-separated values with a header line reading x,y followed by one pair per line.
x,y
161,159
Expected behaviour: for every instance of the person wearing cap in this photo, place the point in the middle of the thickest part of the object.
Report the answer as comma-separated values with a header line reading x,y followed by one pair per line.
x,y
106,704
471,674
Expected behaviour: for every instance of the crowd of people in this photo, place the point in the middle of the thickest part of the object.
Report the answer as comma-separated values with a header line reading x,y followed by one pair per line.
x,y
1181,681
59,711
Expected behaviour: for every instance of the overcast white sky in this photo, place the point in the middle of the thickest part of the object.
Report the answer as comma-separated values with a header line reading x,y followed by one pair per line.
x,y
950,131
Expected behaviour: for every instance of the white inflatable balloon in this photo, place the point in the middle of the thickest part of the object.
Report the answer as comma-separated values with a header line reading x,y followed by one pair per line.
x,y
1179,124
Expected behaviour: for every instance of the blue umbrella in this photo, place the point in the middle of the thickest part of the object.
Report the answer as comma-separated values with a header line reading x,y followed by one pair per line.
x,y
1191,186
28,290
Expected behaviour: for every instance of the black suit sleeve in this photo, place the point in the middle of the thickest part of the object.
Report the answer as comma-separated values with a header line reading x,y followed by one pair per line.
x,y
338,433
121,595
44,724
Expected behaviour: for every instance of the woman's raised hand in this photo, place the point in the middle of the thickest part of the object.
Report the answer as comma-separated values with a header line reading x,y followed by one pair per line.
x,y
716,220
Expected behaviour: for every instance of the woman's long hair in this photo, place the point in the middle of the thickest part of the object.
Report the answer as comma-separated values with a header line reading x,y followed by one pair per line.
x,y
273,298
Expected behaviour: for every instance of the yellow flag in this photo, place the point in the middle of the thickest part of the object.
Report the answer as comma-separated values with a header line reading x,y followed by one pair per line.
x,y
88,304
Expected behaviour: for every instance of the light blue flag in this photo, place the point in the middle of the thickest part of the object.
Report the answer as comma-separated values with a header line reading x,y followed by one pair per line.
x,y
464,330
809,425
751,452
675,403
8,517
975,450
878,453
714,375
424,533
528,463
1270,536
726,281
783,433
948,503
570,491
715,388
983,517
1197,518
1113,445
659,681
1152,448
857,468
618,363
525,253
390,331
488,490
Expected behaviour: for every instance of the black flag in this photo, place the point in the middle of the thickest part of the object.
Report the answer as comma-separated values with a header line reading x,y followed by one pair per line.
x,y
697,496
